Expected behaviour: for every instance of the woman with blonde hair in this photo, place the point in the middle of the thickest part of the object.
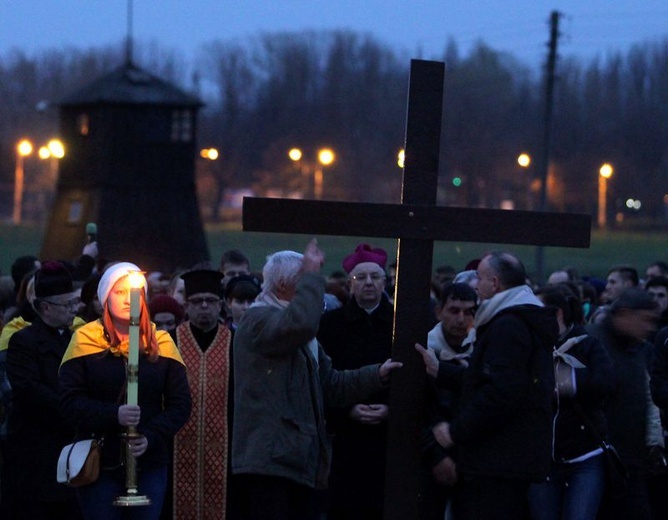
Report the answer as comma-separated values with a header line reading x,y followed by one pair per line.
x,y
93,394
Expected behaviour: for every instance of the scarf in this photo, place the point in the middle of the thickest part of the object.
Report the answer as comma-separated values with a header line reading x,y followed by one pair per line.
x,y
521,295
560,353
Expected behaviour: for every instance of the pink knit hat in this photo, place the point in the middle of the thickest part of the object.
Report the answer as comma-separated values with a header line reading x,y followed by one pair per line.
x,y
364,253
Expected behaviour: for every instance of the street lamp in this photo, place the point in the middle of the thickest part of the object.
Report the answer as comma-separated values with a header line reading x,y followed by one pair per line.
x,y
605,172
23,149
326,157
209,153
54,150
212,155
524,161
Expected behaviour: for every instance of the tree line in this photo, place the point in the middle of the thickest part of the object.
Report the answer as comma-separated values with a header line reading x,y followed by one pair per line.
x,y
348,91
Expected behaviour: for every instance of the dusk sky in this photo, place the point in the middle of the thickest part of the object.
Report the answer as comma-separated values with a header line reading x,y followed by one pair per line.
x,y
520,27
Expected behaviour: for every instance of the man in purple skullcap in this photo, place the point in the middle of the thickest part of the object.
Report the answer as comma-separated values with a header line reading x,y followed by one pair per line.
x,y
354,335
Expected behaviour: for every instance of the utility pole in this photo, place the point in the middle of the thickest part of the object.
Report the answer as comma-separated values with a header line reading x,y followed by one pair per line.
x,y
547,130
129,42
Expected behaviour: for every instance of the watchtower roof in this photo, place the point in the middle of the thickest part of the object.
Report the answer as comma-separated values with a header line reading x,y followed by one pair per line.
x,y
130,85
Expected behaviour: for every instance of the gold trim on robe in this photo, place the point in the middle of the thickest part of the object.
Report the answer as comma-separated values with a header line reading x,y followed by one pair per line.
x,y
201,446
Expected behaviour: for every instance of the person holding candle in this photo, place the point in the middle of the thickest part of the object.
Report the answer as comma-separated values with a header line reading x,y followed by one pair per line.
x,y
96,397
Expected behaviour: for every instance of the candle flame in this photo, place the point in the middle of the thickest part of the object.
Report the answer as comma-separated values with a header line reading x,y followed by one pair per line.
x,y
136,279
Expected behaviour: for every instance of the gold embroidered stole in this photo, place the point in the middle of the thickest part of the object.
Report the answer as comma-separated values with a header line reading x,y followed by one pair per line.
x,y
201,447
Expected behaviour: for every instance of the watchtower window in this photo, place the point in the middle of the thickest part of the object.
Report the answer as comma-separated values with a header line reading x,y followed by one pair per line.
x,y
181,125
83,124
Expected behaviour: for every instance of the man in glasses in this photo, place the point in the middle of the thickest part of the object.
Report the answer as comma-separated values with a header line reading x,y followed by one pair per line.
x,y
37,432
201,448
358,334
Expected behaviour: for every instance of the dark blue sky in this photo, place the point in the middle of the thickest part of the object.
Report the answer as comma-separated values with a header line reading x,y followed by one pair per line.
x,y
589,27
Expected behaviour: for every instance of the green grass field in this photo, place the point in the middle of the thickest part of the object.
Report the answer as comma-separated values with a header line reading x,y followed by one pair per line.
x,y
607,249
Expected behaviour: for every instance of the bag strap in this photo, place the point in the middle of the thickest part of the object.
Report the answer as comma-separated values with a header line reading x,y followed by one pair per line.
x,y
67,462
99,440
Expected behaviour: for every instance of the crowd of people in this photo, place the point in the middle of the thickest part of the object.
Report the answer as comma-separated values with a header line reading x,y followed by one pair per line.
x,y
265,394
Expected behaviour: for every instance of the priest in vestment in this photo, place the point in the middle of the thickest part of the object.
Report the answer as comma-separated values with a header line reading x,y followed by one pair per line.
x,y
201,449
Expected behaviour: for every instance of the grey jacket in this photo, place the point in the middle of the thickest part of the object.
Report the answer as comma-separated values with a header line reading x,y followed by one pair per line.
x,y
279,390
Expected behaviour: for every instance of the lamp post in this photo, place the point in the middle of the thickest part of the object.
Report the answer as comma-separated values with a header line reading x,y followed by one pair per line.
x,y
23,149
53,151
604,173
212,155
524,160
325,156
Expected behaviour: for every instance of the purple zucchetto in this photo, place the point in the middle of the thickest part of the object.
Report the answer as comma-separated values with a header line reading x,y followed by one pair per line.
x,y
364,253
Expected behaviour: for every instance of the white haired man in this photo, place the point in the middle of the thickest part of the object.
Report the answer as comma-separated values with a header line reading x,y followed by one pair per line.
x,y
280,449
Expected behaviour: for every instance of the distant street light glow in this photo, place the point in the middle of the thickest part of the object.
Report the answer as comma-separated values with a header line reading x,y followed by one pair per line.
x,y
56,148
295,154
326,156
606,171
524,160
24,147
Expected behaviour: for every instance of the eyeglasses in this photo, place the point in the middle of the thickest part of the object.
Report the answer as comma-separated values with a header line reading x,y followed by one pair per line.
x,y
209,300
72,304
361,277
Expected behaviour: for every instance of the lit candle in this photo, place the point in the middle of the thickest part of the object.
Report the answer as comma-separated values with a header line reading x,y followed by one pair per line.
x,y
136,281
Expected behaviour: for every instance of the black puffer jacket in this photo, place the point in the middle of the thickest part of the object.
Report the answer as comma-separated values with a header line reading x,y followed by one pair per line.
x,y
504,426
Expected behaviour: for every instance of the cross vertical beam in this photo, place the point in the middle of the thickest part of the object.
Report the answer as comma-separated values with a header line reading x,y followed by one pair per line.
x,y
411,310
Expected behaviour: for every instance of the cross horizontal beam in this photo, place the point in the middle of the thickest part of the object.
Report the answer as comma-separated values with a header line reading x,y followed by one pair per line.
x,y
413,221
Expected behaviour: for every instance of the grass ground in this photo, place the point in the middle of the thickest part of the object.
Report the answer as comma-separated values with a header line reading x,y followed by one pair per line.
x,y
607,249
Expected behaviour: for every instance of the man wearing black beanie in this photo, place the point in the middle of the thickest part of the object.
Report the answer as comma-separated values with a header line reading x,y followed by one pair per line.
x,y
37,432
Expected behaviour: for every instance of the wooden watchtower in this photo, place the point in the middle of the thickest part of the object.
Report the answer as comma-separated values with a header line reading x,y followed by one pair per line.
x,y
129,168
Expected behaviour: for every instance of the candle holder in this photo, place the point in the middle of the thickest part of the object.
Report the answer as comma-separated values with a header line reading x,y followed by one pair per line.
x,y
132,496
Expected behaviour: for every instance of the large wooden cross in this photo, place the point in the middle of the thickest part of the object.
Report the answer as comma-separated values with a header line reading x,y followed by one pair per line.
x,y
416,222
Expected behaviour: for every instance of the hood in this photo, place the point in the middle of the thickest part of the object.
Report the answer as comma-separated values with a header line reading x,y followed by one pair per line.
x,y
542,321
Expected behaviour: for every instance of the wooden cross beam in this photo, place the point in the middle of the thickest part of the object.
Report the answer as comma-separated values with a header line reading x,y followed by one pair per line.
x,y
416,222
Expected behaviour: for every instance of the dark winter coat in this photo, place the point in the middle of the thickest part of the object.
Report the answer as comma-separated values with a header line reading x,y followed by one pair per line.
x,y
504,425
352,338
37,431
627,410
280,390
594,384
92,387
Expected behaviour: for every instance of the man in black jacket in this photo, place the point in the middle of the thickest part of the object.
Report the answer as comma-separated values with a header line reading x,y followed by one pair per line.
x,y
37,431
634,427
503,429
